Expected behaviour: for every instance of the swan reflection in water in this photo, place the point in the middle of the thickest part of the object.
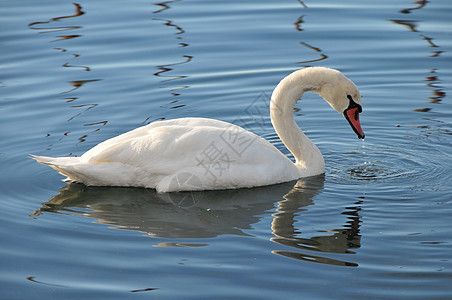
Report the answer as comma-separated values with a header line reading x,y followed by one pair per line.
x,y
209,214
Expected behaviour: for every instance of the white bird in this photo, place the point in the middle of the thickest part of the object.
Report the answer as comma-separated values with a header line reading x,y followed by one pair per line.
x,y
190,154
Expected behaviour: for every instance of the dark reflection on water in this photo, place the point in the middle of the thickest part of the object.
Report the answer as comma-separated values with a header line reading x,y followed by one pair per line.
x,y
170,215
78,12
179,32
322,56
332,241
421,4
212,213
298,27
165,70
75,84
33,279
438,92
164,5
432,78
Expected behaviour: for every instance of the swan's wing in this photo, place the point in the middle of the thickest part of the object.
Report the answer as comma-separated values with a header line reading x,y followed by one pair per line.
x,y
166,145
150,132
219,154
151,149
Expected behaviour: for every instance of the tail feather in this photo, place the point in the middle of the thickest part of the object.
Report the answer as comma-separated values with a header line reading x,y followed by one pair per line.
x,y
64,165
55,161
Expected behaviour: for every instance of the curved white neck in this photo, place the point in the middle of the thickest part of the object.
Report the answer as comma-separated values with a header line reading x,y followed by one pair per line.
x,y
284,97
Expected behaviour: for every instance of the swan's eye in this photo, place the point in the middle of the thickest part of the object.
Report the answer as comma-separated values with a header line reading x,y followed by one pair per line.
x,y
354,104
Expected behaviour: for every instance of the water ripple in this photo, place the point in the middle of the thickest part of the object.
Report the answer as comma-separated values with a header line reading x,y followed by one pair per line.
x,y
392,163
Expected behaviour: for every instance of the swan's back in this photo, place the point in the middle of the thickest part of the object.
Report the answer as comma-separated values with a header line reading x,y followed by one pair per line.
x,y
180,154
169,129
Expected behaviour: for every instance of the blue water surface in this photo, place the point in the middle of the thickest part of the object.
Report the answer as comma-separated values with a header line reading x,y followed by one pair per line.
x,y
376,225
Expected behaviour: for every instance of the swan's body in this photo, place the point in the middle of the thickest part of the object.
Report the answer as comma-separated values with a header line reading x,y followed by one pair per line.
x,y
206,154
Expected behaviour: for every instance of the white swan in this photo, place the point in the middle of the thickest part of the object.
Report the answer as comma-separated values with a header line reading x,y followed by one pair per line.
x,y
205,154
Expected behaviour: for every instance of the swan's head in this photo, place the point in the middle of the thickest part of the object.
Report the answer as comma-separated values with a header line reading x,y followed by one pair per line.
x,y
342,95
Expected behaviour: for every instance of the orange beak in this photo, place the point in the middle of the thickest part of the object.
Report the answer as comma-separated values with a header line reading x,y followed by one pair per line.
x,y
352,116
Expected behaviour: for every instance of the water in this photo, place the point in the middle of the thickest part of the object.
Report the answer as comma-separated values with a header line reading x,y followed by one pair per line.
x,y
376,225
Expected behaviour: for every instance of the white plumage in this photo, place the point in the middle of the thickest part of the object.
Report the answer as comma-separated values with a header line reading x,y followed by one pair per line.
x,y
207,154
